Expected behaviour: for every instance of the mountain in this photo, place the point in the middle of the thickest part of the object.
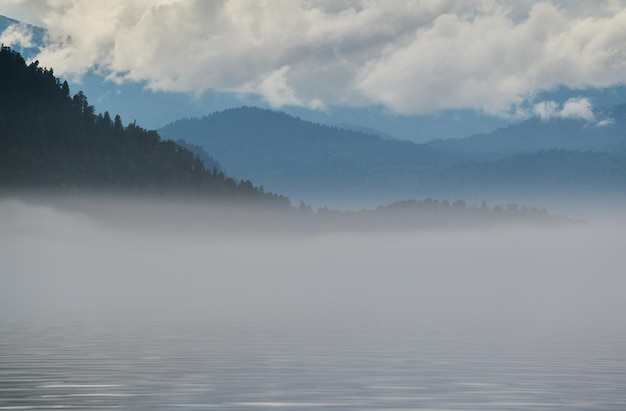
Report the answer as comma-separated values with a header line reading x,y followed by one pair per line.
x,y
306,159
540,160
209,162
554,173
51,140
533,160
534,135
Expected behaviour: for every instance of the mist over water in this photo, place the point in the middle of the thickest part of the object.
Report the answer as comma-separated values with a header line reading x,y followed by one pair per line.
x,y
255,320
58,261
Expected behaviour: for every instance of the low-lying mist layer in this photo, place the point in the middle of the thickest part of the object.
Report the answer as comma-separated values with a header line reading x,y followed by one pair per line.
x,y
58,262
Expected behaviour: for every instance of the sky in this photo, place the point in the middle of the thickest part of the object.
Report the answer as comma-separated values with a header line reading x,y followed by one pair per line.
x,y
410,57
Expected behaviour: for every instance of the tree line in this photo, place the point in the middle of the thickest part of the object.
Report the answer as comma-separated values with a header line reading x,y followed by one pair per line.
x,y
51,139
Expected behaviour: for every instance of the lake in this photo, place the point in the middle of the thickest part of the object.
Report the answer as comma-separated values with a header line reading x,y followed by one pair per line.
x,y
94,364
96,317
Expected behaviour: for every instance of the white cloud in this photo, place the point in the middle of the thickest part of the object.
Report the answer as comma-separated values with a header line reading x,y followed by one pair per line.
x,y
605,122
546,110
412,57
578,108
17,34
18,10
490,63
574,108
275,89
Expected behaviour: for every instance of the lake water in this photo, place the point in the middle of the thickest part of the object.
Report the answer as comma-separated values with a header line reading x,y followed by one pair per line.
x,y
96,316
101,364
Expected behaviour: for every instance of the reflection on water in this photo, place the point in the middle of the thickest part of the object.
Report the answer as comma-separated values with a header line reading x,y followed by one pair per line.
x,y
164,365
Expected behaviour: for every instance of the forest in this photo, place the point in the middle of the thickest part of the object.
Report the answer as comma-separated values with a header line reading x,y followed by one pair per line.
x,y
50,139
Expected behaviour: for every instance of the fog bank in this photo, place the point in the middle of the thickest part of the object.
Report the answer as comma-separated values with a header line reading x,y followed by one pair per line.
x,y
60,263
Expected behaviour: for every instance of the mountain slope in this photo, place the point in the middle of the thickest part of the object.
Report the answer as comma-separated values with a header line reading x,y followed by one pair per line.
x,y
49,139
287,154
535,135
327,165
555,172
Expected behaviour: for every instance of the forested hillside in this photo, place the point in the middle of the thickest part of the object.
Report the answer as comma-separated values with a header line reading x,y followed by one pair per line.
x,y
326,165
287,154
50,139
554,172
533,135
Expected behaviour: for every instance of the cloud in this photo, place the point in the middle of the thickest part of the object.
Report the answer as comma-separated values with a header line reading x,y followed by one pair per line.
x,y
546,110
489,63
275,89
577,108
605,122
574,108
411,57
17,34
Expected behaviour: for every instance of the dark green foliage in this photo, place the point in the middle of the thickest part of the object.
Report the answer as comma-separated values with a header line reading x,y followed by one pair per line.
x,y
209,162
49,139
433,213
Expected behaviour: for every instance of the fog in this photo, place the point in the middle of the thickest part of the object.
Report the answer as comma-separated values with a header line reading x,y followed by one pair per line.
x,y
55,262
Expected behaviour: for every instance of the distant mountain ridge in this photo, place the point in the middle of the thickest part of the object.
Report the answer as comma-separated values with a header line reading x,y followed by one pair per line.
x,y
324,164
536,134
556,171
286,153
